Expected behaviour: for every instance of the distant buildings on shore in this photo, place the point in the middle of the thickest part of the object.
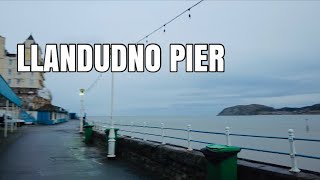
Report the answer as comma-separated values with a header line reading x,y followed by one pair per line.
x,y
29,86
36,106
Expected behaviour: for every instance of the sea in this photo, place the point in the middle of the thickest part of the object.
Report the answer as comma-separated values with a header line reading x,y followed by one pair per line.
x,y
304,126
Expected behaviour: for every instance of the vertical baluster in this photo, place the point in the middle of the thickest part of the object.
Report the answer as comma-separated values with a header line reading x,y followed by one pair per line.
x,y
228,136
162,134
294,164
144,131
131,129
189,137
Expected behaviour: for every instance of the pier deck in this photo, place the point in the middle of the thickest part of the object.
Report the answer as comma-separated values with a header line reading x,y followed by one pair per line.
x,y
58,152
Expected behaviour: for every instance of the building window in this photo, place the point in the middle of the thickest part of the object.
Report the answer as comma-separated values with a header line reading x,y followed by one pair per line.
x,y
18,81
31,82
9,81
10,62
9,71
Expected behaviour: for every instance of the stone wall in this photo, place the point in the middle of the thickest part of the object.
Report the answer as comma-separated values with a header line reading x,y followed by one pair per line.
x,y
174,162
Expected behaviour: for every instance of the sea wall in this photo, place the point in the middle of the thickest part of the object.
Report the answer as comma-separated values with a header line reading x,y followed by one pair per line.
x,y
174,162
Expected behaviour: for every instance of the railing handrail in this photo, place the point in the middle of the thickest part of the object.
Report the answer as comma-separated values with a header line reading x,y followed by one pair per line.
x,y
308,156
227,133
207,132
245,148
306,139
217,133
222,133
259,136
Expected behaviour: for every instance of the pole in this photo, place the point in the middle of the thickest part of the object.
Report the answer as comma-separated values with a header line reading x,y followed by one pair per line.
x,y
81,110
112,94
111,139
17,115
81,114
12,117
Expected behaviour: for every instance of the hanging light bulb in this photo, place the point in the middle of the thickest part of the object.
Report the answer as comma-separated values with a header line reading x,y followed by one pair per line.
x,y
164,28
189,13
147,39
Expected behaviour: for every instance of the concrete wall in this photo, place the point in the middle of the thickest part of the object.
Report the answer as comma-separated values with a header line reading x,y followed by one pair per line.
x,y
174,162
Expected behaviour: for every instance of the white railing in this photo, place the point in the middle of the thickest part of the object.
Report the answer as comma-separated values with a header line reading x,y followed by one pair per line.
x,y
143,130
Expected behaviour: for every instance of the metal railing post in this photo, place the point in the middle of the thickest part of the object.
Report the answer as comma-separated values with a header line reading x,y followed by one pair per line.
x,y
189,137
111,142
12,117
131,128
81,114
16,116
228,136
6,119
162,134
294,164
144,131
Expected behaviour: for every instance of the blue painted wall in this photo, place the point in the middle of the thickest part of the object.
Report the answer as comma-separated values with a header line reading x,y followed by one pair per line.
x,y
44,118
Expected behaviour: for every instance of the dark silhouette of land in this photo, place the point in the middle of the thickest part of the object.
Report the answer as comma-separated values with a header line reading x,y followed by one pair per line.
x,y
257,109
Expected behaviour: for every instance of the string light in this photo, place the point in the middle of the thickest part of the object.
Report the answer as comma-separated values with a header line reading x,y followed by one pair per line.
x,y
146,37
173,19
94,83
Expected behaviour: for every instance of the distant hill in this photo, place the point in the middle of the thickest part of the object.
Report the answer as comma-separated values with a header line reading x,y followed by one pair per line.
x,y
257,109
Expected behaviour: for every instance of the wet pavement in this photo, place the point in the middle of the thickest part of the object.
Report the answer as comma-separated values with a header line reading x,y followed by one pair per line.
x,y
58,152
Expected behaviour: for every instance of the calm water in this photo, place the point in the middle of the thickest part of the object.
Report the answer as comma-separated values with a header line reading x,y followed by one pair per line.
x,y
254,125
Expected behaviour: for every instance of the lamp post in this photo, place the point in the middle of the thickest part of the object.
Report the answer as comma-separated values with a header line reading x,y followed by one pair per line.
x,y
81,110
111,139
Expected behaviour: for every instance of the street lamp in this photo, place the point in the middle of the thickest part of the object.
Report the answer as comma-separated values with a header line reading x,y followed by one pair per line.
x,y
81,109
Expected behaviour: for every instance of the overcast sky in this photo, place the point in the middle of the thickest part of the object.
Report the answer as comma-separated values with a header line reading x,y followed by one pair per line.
x,y
272,52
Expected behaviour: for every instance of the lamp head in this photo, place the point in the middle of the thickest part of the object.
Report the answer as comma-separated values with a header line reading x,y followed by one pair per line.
x,y
81,92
